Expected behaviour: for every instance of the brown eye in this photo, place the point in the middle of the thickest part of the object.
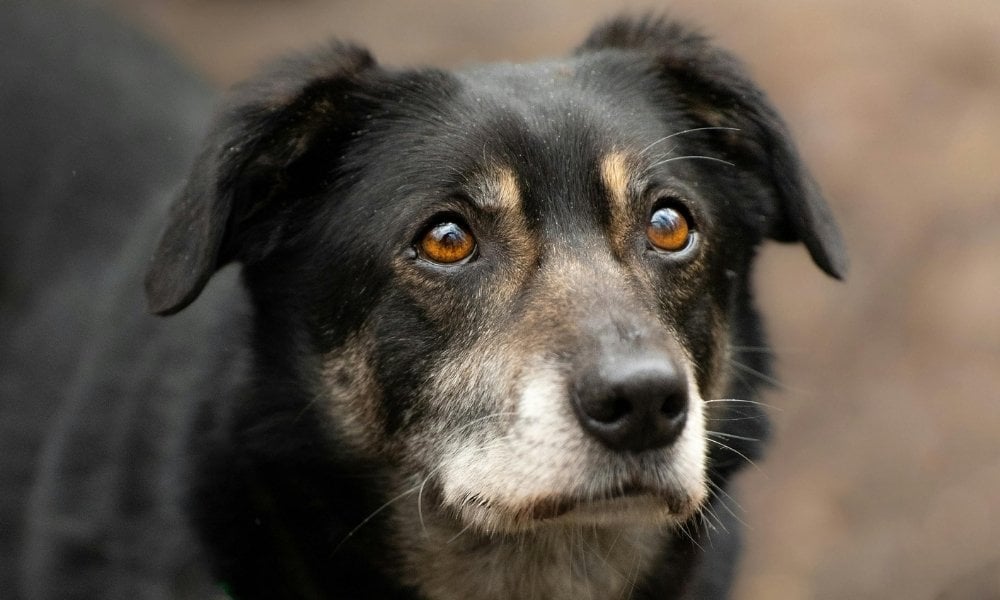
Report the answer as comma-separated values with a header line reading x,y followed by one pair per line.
x,y
668,230
447,243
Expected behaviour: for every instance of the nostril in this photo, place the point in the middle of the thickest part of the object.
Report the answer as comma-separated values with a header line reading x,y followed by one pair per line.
x,y
618,408
606,410
674,406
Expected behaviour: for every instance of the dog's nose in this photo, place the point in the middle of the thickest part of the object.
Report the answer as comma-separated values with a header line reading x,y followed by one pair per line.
x,y
634,407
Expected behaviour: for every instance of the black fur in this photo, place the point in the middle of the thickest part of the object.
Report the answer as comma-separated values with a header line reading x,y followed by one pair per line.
x,y
152,458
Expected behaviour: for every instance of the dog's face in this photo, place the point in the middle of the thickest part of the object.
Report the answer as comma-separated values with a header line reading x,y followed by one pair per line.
x,y
517,285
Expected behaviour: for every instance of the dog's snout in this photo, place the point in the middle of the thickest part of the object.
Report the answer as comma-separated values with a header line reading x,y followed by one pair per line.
x,y
634,406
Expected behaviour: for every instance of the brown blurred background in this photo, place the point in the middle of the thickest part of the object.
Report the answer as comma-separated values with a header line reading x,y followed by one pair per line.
x,y
884,477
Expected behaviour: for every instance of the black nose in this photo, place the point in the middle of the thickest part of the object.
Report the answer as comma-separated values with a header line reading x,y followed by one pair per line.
x,y
633,406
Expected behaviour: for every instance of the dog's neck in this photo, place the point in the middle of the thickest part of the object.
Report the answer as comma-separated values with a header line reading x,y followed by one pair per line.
x,y
448,562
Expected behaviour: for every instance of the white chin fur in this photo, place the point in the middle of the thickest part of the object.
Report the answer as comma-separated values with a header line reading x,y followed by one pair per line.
x,y
541,467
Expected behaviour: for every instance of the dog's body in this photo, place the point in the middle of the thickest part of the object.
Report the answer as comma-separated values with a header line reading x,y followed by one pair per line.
x,y
485,341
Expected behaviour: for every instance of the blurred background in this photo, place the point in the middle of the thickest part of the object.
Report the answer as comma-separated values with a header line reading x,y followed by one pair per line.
x,y
883,480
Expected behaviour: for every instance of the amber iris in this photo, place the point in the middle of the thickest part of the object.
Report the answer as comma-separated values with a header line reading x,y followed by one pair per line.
x,y
447,243
668,229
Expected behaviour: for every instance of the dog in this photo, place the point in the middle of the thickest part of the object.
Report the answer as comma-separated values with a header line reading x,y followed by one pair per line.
x,y
482,333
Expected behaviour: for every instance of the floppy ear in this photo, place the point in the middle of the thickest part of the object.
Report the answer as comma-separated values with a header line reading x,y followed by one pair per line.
x,y
718,93
249,170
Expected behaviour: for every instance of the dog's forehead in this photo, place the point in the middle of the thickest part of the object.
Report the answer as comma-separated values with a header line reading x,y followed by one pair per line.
x,y
557,131
562,109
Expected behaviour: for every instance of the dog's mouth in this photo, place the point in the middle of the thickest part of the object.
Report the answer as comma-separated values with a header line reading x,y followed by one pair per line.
x,y
542,467
631,503
635,504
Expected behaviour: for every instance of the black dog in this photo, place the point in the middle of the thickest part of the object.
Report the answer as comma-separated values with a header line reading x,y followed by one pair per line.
x,y
486,339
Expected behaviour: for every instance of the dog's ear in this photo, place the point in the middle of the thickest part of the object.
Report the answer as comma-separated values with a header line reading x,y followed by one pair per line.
x,y
718,93
254,163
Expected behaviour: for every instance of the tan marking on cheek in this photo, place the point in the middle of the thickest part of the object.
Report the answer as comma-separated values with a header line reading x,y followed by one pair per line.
x,y
488,365
350,394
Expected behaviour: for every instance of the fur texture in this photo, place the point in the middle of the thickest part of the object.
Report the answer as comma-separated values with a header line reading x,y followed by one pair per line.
x,y
341,415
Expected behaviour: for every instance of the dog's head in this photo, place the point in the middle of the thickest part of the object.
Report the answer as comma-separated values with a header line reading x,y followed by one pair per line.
x,y
518,284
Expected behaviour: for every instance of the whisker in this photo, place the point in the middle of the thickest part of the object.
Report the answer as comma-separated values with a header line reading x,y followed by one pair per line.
x,y
706,524
420,496
595,552
614,542
690,156
306,408
722,502
732,436
711,513
678,133
372,516
707,528
741,401
736,452
459,534
669,150
755,372
633,580
726,419
495,415
683,529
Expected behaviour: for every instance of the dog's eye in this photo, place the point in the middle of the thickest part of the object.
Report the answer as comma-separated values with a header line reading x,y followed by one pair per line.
x,y
669,229
447,243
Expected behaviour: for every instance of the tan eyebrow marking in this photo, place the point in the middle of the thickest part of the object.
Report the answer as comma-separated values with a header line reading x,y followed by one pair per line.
x,y
616,173
615,176
500,190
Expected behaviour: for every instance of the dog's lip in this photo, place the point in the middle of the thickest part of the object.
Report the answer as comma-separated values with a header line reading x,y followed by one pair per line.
x,y
629,498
